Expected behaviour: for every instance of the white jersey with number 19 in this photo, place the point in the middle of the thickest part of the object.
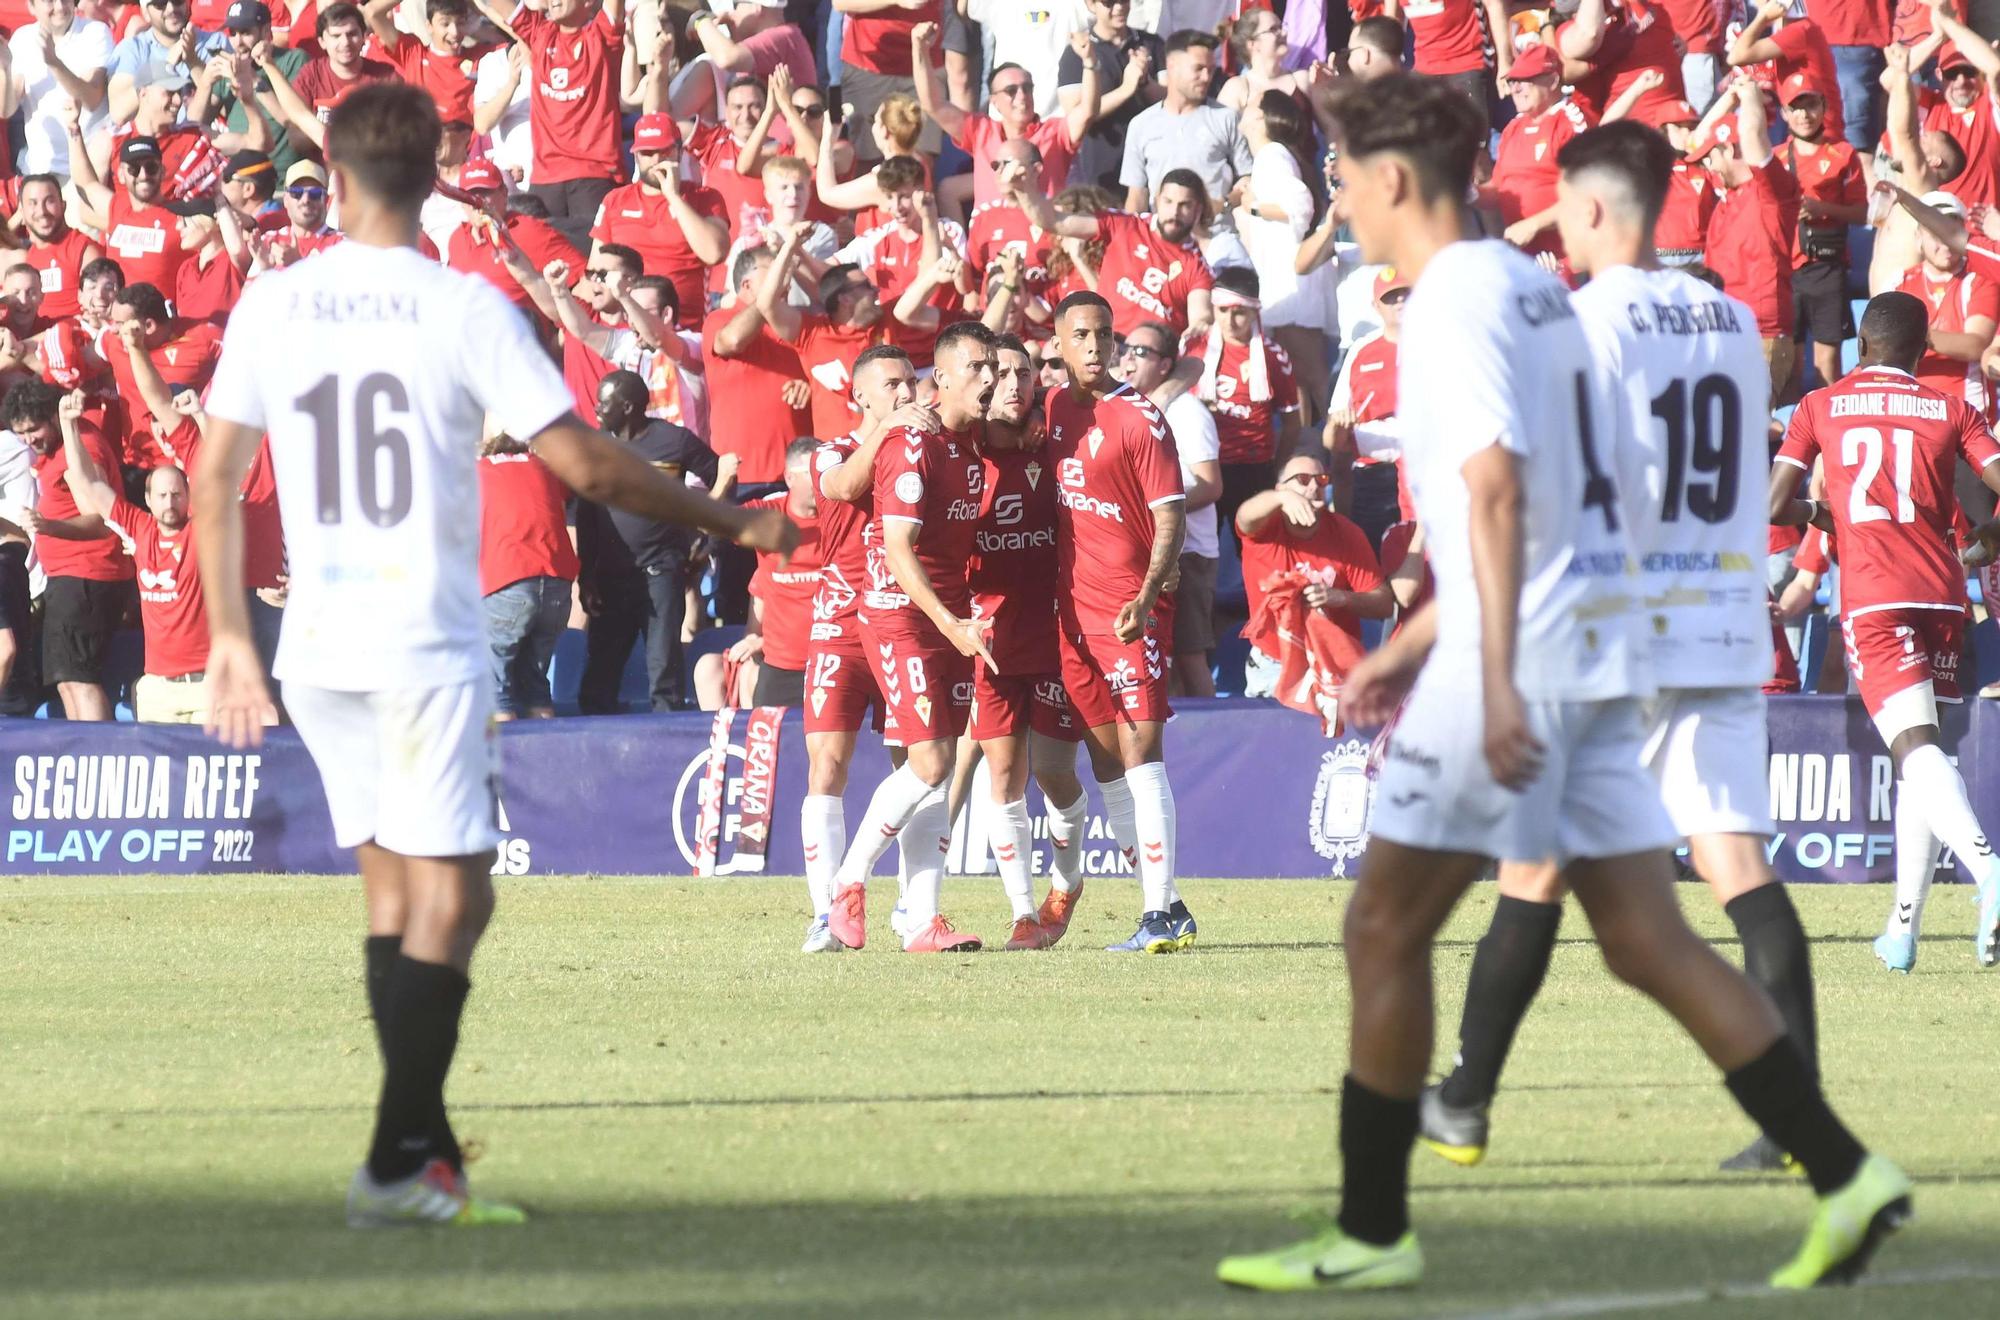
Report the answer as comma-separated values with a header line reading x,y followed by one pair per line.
x,y
1687,369
372,369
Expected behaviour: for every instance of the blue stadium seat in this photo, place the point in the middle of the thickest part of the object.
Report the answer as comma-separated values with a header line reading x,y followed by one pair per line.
x,y
1227,660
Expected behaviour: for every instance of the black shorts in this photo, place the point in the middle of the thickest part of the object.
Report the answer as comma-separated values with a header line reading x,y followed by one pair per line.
x,y
78,618
779,687
1821,313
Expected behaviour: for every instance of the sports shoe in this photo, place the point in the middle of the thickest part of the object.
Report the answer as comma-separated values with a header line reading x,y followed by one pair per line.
x,y
1181,922
1761,1156
1328,1259
939,937
1986,941
435,1194
1028,935
1848,1225
848,917
899,921
1056,911
1458,1134
820,938
1154,935
1897,952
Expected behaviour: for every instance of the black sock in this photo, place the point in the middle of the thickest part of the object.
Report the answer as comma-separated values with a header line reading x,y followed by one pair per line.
x,y
1776,956
424,1004
1376,1134
1777,1090
380,952
1507,972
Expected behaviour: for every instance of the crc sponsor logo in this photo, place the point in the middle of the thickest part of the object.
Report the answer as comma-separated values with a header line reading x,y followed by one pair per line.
x,y
1342,795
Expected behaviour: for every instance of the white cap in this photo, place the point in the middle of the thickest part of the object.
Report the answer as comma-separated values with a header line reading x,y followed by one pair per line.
x,y
1945,202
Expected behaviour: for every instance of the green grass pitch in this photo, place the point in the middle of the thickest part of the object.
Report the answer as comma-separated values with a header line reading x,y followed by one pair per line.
x,y
708,1123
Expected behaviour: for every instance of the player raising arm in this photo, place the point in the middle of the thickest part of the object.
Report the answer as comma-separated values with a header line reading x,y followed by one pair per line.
x,y
372,368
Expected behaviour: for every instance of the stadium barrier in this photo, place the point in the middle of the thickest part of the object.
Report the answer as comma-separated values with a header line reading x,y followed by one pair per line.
x,y
1259,793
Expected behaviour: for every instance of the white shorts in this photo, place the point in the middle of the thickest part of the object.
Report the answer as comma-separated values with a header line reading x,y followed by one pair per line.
x,y
1593,797
1710,752
415,771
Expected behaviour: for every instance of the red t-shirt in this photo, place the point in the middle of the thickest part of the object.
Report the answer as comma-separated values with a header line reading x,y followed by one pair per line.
x,y
827,352
1371,379
1976,129
1750,245
1690,201
467,250
100,559
1248,430
1144,277
993,228
1952,302
263,527
1449,36
1636,39
1115,461
61,265
1889,449
1696,23
644,222
145,241
935,480
206,293
521,529
186,359
880,42
323,89
170,604
1856,22
1803,48
1012,574
743,202
983,137
844,529
573,107
749,415
1524,170
787,590
449,78
1333,553
1831,174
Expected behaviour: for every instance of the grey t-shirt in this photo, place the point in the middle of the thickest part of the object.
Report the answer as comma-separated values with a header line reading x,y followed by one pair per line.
x,y
1205,140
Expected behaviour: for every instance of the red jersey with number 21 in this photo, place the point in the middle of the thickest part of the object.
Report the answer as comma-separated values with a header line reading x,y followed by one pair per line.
x,y
1115,463
1891,448
933,479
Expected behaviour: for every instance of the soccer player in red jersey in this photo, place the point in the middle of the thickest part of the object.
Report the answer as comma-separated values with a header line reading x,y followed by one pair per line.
x,y
1121,517
1021,715
1888,448
918,627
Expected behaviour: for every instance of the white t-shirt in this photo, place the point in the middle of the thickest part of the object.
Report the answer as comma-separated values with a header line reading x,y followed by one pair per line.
x,y
373,369
1694,466
513,146
1492,353
84,49
1194,435
1033,36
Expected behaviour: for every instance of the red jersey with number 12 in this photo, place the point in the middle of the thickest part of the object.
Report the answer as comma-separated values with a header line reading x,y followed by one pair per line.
x,y
1891,448
1115,463
1013,569
934,479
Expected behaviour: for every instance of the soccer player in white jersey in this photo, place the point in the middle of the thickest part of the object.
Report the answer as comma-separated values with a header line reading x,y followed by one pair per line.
x,y
372,368
1521,732
1688,432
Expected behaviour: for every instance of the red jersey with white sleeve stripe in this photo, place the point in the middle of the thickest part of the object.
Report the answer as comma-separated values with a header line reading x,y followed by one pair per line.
x,y
843,536
1890,447
1115,462
933,479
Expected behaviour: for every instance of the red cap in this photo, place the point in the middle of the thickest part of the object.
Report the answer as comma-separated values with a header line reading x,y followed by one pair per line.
x,y
1536,61
1951,57
481,175
1680,112
1721,133
1799,84
1387,280
656,132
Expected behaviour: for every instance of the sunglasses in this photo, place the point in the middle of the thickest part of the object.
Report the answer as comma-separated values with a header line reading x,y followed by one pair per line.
x,y
168,4
1314,480
810,110
1013,89
599,275
1395,297
306,192
1959,71
1140,351
144,167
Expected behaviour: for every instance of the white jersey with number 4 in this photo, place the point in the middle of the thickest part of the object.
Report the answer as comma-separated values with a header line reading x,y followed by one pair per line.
x,y
372,370
1492,353
1693,467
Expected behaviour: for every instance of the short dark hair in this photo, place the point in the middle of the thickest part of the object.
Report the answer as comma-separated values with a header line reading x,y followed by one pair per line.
x,y
335,14
1694,270
437,8
900,174
1080,298
625,256
959,332
1013,344
1239,280
1381,34
104,268
744,80
746,262
1168,335
1637,157
630,384
49,179
33,402
801,449
999,69
1188,179
20,266
384,137
526,203
1895,327
146,302
670,297
1426,121
879,353
1191,39
1282,121
834,281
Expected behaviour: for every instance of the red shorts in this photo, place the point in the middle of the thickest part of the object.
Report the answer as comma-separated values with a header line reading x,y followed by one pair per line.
x,y
841,693
925,682
1005,705
1114,682
1889,651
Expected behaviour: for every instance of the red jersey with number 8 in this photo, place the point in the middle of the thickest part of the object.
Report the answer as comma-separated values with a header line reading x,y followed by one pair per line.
x,y
1889,448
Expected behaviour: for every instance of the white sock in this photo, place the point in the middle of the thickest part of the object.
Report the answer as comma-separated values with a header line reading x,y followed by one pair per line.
x,y
823,830
928,838
1118,815
1065,829
1153,811
1013,845
1933,781
1916,863
896,799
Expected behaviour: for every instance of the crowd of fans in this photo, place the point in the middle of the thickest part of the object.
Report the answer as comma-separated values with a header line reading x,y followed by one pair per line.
x,y
710,213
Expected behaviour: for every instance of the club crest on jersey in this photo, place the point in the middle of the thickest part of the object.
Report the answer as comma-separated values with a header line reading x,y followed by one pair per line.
x,y
1342,795
818,700
1094,438
1034,474
923,705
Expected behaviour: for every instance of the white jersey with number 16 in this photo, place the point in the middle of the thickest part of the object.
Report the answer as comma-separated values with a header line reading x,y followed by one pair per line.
x,y
372,370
